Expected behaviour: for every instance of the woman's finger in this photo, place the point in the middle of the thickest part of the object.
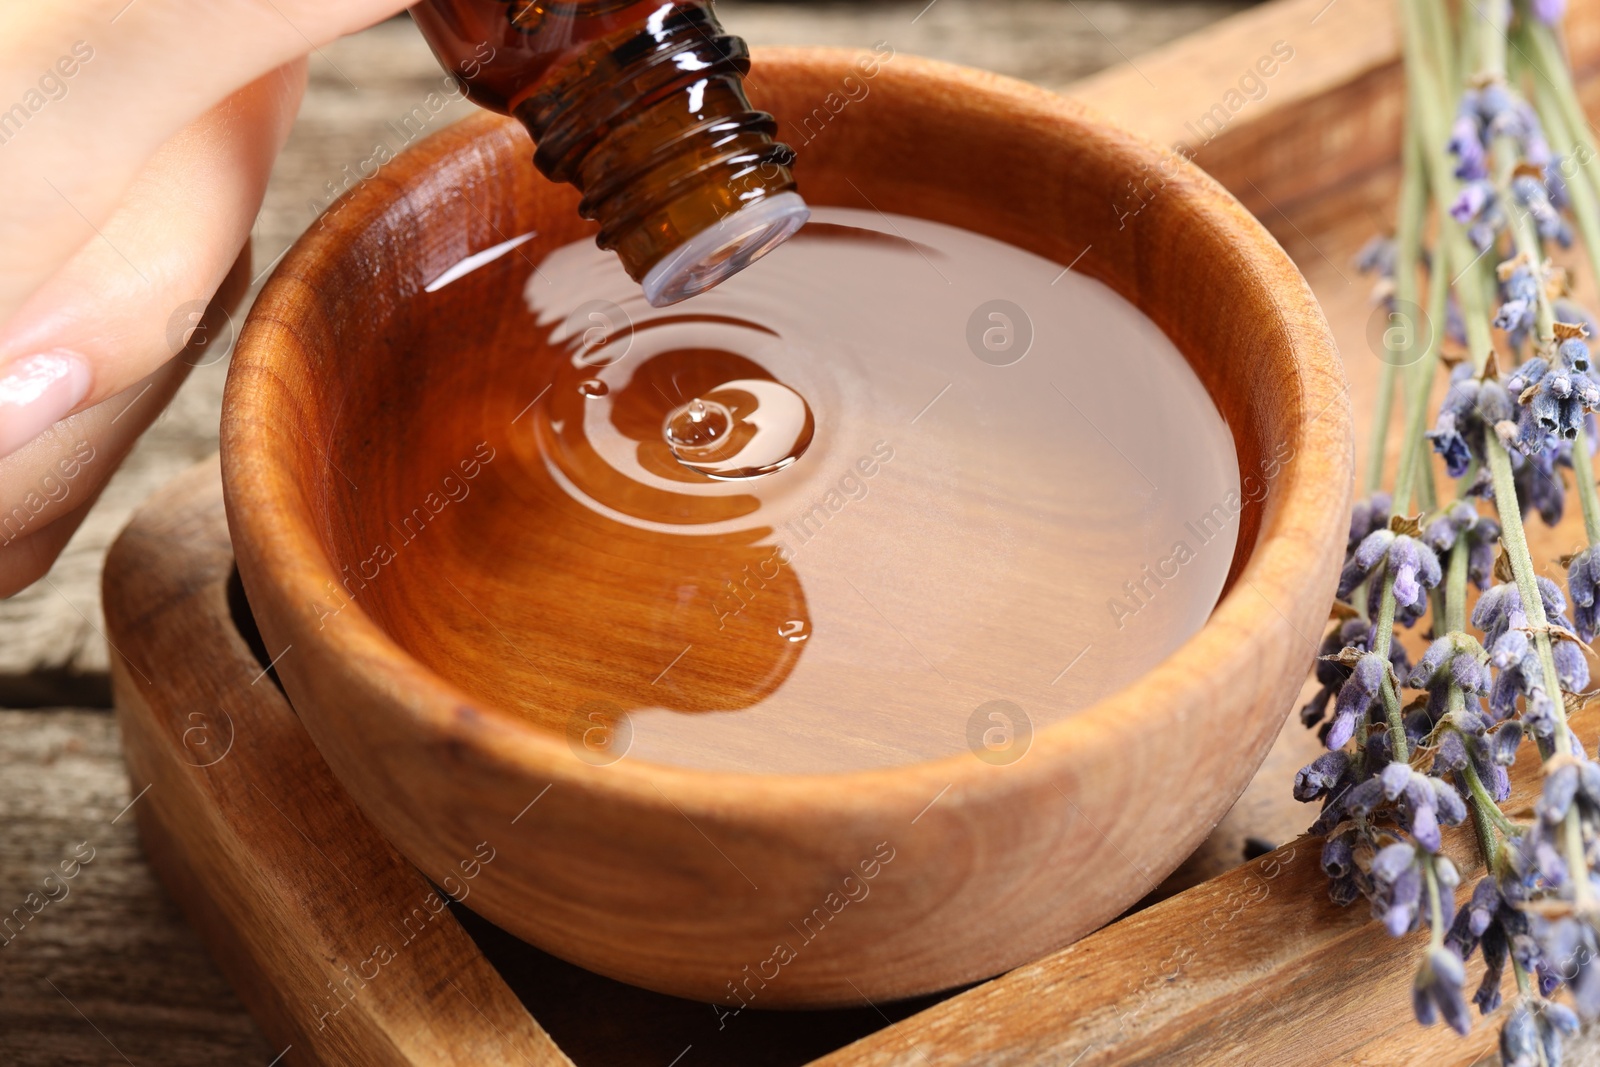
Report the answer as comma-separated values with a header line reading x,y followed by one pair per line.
x,y
106,319
90,90
46,488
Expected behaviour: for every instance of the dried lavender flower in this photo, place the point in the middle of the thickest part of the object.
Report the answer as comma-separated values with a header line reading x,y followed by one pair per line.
x,y
1438,986
1583,583
1471,408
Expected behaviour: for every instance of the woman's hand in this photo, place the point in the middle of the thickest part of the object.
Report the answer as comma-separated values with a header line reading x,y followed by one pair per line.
x,y
135,143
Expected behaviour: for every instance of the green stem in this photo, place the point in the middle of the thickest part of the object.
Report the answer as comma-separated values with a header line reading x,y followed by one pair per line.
x,y
1583,474
1382,636
1486,814
1458,259
1408,254
1484,806
1435,906
1514,541
1552,76
1525,237
1455,588
1586,209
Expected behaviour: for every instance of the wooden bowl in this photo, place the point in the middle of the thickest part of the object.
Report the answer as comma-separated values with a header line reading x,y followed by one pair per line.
x,y
787,890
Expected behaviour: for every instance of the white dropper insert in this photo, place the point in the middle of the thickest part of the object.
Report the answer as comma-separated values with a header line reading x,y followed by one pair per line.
x,y
724,249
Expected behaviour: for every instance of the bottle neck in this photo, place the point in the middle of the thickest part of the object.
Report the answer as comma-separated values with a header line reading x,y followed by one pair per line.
x,y
683,176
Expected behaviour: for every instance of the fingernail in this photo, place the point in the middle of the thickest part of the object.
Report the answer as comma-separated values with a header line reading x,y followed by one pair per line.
x,y
36,392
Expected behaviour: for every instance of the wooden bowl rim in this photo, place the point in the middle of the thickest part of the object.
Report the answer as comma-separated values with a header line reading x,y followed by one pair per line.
x,y
1281,567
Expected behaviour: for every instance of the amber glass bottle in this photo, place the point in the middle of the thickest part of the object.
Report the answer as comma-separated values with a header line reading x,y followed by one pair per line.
x,y
642,107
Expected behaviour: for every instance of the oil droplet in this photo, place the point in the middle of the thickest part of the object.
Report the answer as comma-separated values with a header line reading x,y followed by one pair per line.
x,y
742,429
593,388
795,630
697,426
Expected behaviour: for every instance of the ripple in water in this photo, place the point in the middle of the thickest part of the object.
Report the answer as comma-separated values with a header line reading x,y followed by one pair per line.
x,y
820,517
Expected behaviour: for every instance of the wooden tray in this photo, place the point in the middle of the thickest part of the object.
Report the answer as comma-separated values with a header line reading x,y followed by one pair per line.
x,y
344,954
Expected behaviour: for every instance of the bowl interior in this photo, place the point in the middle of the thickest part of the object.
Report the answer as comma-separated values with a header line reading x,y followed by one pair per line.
x,y
429,383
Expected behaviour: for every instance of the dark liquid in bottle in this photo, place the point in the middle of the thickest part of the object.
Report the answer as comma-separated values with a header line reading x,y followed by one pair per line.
x,y
642,107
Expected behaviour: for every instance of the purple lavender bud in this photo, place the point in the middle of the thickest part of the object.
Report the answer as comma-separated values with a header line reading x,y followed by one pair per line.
x,y
1493,403
1514,316
1415,568
1366,516
1344,891
1546,411
1438,985
1353,703
1373,547
1585,993
1320,776
1530,193
1522,285
1475,196
1377,256
1469,673
1504,742
1572,669
1395,778
1433,659
1455,327
1365,797
1526,375
1560,1017
1555,603
1549,862
1441,534
1483,536
1424,826
1498,611
1498,110
1483,905
1498,782
1538,713
1574,353
1548,981
1447,803
1510,649
1451,755
1457,428
1466,144
1338,857
1493,775
1583,582
1483,233
1519,1039
1367,555
1588,778
1351,576
1549,12
1538,487
1494,956
1391,862
1399,912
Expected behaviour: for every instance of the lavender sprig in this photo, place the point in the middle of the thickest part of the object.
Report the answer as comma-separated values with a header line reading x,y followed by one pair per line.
x,y
1395,774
